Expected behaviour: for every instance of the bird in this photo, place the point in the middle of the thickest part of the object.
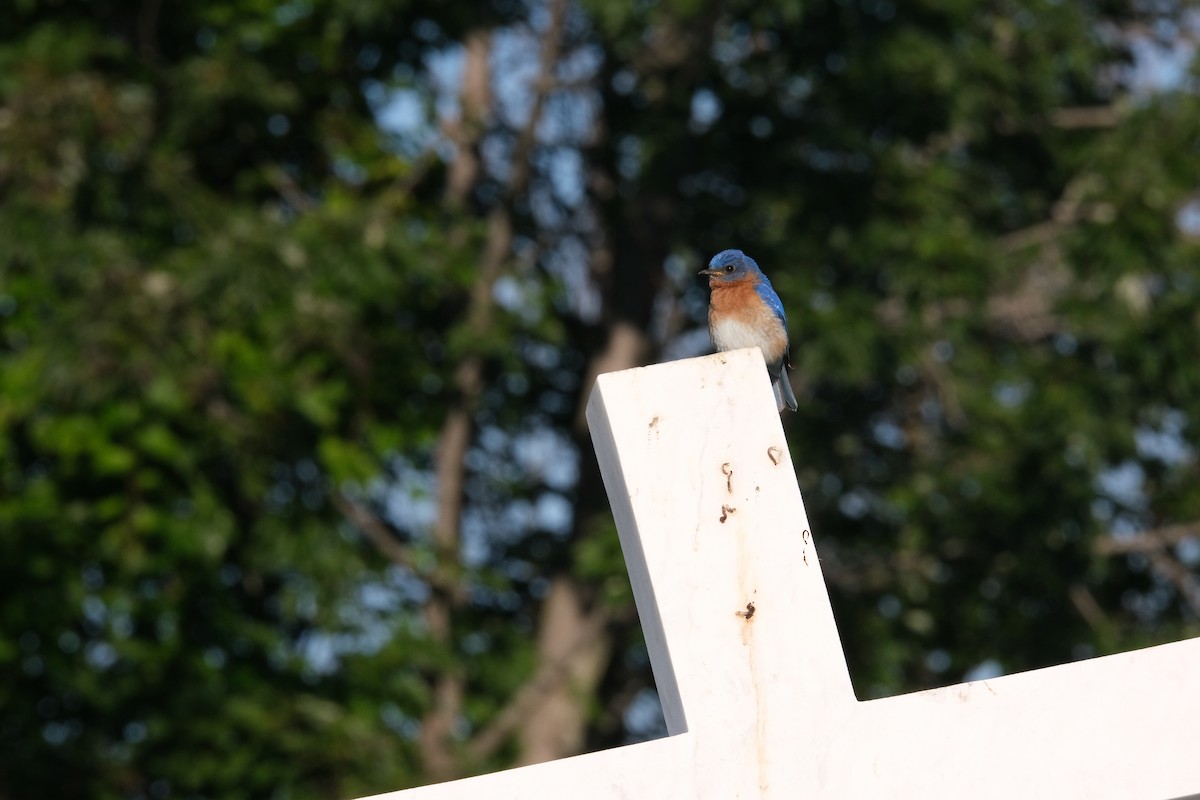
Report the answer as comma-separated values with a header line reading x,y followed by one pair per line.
x,y
744,311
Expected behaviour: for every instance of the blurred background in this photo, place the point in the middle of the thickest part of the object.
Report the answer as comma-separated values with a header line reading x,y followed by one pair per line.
x,y
300,304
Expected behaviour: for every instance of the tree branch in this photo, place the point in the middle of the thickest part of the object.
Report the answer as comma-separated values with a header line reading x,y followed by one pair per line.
x,y
1147,541
375,529
542,86
466,132
1087,117
437,724
1185,582
380,534
455,438
550,675
1087,606
1153,544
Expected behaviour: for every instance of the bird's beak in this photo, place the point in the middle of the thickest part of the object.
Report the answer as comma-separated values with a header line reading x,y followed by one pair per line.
x,y
709,271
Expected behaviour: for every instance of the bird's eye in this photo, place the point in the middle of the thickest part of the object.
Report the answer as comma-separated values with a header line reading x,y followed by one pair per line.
x,y
729,267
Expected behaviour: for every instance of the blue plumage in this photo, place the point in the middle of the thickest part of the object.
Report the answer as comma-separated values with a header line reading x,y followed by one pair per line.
x,y
766,291
745,311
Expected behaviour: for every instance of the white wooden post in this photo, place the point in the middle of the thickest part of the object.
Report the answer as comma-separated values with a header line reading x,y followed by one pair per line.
x,y
749,665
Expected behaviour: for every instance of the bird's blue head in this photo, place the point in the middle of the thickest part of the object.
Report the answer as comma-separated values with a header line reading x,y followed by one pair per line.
x,y
730,265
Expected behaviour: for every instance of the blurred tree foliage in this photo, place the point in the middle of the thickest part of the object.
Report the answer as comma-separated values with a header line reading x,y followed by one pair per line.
x,y
299,304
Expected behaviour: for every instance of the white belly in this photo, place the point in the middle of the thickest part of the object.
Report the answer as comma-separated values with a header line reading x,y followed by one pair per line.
x,y
733,334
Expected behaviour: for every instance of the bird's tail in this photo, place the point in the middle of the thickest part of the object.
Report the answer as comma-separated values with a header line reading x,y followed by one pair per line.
x,y
784,396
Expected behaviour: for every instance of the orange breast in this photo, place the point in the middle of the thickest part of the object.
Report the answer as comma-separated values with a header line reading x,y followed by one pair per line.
x,y
737,318
732,297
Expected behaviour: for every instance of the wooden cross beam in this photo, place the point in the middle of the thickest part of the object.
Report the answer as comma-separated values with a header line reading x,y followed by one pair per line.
x,y
748,662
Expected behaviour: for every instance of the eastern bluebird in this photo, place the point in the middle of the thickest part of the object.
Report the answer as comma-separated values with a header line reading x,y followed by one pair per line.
x,y
744,311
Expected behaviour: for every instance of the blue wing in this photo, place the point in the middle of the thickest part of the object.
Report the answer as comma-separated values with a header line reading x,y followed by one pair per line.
x,y
767,292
